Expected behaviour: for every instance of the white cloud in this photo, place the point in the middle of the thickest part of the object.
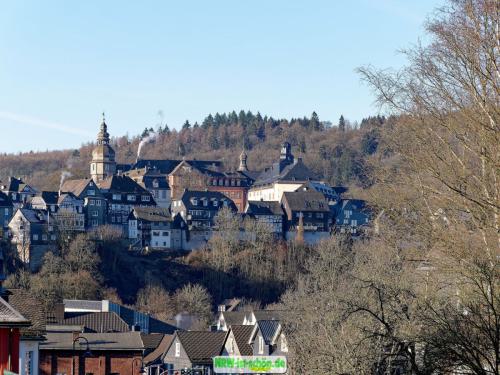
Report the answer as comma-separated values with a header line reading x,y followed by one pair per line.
x,y
33,121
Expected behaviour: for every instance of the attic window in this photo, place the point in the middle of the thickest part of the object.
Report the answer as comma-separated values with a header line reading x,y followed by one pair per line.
x,y
177,349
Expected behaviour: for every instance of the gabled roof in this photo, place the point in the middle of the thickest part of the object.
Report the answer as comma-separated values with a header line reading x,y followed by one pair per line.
x,y
242,335
162,347
264,208
122,184
167,166
68,196
34,216
280,171
269,314
101,322
10,317
151,340
77,187
16,185
193,200
202,346
269,330
310,200
49,197
233,317
5,201
32,309
123,341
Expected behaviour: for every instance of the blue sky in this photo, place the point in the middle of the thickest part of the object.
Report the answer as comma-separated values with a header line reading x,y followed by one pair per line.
x,y
64,62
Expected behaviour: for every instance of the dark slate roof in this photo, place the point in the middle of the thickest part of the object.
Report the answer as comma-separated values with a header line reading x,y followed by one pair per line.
x,y
122,184
234,317
269,314
201,346
242,335
32,309
161,348
269,330
15,184
282,171
264,208
10,317
101,322
34,216
123,341
159,326
153,214
310,200
189,197
151,340
5,201
49,197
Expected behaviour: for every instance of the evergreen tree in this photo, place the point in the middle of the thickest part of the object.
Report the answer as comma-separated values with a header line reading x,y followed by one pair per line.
x,y
213,140
196,125
314,123
186,125
208,122
342,123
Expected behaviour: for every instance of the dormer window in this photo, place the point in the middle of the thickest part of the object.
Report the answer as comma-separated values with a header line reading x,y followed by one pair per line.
x,y
215,203
205,202
194,201
156,184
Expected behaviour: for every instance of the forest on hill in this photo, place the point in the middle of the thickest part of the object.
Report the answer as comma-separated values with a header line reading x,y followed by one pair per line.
x,y
339,153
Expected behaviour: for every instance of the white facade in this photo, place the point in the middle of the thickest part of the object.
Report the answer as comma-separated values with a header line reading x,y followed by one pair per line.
x,y
272,193
28,357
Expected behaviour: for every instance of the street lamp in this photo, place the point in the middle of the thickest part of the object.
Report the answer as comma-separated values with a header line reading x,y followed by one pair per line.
x,y
86,354
142,370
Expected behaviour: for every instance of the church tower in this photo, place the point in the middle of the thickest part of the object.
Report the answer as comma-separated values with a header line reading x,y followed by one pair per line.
x,y
243,162
103,162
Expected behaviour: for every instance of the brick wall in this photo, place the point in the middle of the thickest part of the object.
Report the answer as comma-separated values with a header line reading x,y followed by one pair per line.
x,y
101,363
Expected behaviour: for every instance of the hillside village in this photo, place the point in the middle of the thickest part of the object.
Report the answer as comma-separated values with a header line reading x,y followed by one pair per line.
x,y
166,206
173,204
248,244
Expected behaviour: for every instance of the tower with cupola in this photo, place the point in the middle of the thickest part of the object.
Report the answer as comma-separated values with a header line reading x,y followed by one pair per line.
x,y
103,162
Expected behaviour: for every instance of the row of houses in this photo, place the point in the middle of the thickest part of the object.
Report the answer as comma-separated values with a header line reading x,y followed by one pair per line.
x,y
102,337
172,204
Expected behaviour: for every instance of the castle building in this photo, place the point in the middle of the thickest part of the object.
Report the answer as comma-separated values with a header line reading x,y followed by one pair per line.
x,y
103,162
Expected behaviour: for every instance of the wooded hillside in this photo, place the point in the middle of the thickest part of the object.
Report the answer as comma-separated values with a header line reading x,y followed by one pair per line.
x,y
339,153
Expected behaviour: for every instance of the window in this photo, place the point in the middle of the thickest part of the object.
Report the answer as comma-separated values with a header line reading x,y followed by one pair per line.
x,y
95,213
91,192
131,198
117,197
35,237
215,202
145,198
14,196
261,345
6,212
44,237
53,237
177,349
28,367
165,234
319,215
